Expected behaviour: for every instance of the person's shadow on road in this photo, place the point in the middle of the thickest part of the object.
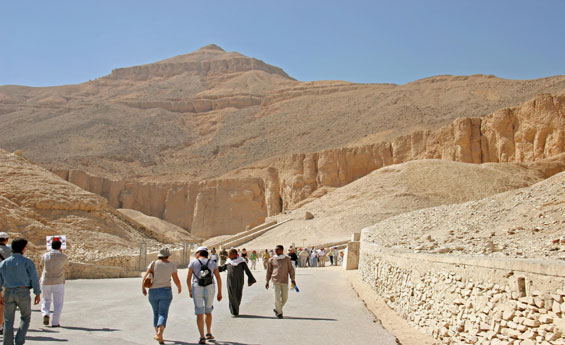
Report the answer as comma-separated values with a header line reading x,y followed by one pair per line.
x,y
86,329
217,342
286,317
45,339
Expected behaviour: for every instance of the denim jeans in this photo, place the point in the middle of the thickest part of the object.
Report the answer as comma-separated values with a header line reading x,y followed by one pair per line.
x,y
160,300
203,297
21,299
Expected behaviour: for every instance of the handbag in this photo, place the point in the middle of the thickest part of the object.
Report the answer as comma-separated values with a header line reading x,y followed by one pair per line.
x,y
148,282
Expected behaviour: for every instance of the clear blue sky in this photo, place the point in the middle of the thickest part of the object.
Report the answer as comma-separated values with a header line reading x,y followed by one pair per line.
x,y
65,42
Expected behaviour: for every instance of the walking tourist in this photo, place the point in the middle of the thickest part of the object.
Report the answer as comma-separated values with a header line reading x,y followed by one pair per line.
x,y
18,276
279,269
266,257
5,252
54,263
254,260
201,285
244,255
293,257
321,257
304,257
160,292
331,255
313,257
236,266
214,256
223,256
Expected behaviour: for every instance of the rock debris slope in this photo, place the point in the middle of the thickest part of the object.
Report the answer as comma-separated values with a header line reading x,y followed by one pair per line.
x,y
524,223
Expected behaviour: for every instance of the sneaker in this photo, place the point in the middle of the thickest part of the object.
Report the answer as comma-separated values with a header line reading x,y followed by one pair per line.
x,y
55,326
46,320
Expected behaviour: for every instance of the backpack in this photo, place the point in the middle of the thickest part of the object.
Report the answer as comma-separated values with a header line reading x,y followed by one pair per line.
x,y
205,276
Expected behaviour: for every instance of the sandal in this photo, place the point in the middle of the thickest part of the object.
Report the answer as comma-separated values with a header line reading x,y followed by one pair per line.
x,y
202,341
209,336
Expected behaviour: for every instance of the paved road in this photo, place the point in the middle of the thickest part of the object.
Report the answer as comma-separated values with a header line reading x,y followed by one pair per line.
x,y
113,311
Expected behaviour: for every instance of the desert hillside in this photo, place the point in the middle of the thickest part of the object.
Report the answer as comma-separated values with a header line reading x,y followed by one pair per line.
x,y
524,223
530,132
35,203
398,189
215,142
210,112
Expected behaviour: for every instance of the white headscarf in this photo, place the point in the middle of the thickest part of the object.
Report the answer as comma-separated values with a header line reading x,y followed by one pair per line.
x,y
236,261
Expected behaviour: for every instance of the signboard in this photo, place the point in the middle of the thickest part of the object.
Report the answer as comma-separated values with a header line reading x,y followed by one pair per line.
x,y
60,238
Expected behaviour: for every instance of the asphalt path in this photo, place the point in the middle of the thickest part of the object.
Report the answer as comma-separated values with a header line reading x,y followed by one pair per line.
x,y
113,311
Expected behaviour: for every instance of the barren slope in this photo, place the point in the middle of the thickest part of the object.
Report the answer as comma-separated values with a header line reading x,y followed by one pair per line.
x,y
398,189
35,203
520,223
161,229
209,112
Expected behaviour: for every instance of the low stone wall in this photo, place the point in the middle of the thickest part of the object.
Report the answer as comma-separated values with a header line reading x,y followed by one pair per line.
x,y
471,300
123,266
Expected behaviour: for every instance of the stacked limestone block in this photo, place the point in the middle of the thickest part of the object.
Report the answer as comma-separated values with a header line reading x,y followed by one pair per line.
x,y
457,309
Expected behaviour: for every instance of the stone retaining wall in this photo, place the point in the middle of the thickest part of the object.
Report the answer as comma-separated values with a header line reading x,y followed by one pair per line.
x,y
123,266
471,300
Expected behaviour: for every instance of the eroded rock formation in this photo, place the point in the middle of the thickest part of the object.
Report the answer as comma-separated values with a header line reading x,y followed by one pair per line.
x,y
530,132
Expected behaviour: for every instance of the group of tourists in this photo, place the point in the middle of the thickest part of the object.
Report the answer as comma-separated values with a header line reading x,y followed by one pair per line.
x,y
203,276
312,257
18,275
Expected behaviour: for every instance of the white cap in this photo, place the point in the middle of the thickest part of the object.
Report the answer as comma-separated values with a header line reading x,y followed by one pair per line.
x,y
201,248
4,235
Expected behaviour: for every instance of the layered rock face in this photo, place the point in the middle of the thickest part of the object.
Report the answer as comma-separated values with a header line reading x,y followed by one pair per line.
x,y
209,60
530,132
208,208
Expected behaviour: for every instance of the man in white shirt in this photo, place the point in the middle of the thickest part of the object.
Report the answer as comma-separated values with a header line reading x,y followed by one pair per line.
x,y
321,257
53,283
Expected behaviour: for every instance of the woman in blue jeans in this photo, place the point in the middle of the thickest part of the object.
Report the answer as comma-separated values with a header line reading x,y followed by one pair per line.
x,y
203,271
160,293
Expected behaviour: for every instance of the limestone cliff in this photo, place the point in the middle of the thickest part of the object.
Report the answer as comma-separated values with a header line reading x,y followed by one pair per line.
x,y
207,208
533,131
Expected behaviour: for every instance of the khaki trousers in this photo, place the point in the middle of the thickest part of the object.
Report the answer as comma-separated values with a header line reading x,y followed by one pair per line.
x,y
281,296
